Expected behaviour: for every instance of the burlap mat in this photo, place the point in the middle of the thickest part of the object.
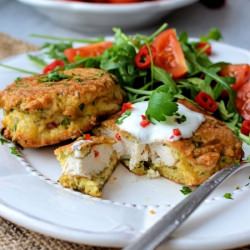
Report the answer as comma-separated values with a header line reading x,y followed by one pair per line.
x,y
13,237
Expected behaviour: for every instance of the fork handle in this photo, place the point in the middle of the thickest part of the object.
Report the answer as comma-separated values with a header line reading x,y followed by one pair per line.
x,y
162,230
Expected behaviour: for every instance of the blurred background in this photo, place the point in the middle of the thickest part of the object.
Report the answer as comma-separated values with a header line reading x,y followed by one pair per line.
x,y
21,19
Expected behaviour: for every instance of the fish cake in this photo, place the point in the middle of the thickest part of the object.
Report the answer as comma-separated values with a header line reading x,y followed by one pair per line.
x,y
44,109
188,161
87,164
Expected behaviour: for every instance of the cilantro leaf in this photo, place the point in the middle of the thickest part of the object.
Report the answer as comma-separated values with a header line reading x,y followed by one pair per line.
x,y
160,106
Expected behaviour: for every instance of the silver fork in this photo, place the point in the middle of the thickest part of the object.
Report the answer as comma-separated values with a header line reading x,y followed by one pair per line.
x,y
163,229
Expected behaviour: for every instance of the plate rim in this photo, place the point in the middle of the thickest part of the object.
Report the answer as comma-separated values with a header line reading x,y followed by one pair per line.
x,y
110,240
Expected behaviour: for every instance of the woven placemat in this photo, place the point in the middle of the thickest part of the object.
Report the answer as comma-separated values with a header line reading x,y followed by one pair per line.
x,y
13,237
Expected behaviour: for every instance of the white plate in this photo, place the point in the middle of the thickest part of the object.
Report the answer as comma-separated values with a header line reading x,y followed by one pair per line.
x,y
30,196
89,16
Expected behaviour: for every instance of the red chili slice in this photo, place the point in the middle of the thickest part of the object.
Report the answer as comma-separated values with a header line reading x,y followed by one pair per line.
x,y
87,137
205,47
126,106
96,153
55,64
118,137
206,102
176,132
245,127
143,58
145,122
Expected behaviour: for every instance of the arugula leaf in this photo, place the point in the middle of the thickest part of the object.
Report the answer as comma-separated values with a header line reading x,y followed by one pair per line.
x,y
233,123
156,33
244,138
89,62
69,39
183,37
119,59
18,69
213,34
160,106
212,72
56,50
225,114
37,60
161,75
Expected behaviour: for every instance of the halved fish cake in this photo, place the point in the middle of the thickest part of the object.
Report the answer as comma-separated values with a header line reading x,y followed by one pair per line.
x,y
189,161
87,164
47,109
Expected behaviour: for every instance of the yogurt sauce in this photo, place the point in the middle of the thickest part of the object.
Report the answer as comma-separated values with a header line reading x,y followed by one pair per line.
x,y
161,131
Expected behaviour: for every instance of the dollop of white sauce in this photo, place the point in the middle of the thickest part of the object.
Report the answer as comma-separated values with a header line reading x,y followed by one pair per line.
x,y
160,131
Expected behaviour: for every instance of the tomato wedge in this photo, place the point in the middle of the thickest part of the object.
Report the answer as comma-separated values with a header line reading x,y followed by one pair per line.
x,y
243,101
91,50
169,54
241,72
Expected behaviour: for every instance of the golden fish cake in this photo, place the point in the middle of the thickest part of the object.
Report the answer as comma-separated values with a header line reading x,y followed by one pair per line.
x,y
47,109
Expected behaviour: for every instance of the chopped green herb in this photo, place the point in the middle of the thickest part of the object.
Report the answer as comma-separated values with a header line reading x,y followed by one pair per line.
x,y
228,196
15,151
54,76
186,190
18,79
18,82
65,122
123,117
3,140
180,118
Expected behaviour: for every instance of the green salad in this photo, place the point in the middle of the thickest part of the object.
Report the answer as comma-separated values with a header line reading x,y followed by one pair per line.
x,y
161,68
